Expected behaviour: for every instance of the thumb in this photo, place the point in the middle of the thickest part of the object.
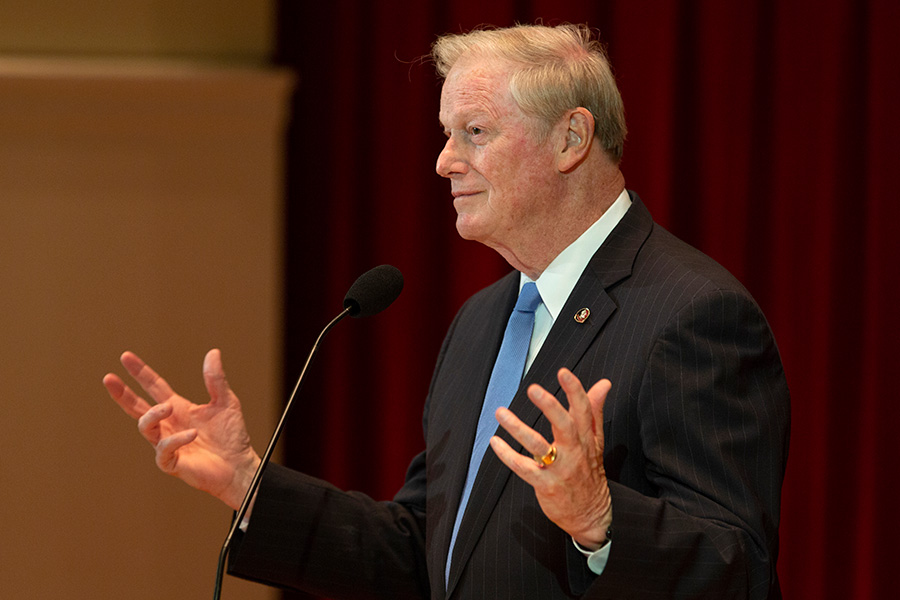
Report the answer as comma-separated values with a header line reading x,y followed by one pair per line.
x,y
214,376
597,397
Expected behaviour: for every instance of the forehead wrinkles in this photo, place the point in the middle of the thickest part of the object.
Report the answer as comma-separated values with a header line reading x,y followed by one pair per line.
x,y
475,90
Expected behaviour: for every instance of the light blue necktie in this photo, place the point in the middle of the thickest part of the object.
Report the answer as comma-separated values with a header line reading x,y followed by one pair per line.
x,y
505,380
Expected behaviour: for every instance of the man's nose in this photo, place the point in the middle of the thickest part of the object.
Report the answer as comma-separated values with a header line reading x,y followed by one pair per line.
x,y
450,161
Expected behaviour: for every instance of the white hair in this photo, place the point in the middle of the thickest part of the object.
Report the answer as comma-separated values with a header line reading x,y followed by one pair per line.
x,y
559,68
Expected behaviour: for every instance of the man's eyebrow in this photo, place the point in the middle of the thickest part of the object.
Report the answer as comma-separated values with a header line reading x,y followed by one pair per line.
x,y
477,114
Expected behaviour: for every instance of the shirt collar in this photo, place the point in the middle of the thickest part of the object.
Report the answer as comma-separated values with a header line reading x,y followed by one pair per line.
x,y
559,278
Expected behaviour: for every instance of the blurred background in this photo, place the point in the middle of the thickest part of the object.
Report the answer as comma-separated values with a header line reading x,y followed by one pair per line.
x,y
177,176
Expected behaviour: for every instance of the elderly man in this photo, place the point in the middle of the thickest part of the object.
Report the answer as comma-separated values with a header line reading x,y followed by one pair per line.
x,y
664,485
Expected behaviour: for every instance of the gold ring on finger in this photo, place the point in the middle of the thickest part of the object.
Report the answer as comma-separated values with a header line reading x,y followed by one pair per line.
x,y
547,459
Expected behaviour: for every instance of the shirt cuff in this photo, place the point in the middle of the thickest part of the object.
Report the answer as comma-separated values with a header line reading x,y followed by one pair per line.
x,y
245,522
596,559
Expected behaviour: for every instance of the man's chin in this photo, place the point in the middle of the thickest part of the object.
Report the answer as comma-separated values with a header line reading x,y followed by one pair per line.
x,y
468,229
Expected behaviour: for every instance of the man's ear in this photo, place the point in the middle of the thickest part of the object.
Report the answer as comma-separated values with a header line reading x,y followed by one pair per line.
x,y
579,136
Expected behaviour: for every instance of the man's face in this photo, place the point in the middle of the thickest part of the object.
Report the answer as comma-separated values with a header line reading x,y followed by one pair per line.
x,y
502,175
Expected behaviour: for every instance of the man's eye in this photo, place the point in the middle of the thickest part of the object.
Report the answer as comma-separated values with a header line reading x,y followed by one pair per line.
x,y
475,130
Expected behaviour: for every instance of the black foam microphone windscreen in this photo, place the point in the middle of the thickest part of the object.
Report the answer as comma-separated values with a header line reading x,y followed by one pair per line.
x,y
374,291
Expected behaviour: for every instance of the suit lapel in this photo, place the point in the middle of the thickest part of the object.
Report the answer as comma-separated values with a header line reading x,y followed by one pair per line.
x,y
454,417
565,346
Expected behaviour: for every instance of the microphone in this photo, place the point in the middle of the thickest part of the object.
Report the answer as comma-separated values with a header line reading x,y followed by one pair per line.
x,y
374,291
371,293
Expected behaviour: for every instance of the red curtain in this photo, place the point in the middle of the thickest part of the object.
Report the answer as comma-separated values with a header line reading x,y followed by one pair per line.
x,y
760,132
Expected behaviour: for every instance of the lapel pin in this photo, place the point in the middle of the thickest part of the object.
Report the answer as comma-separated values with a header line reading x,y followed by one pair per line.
x,y
582,315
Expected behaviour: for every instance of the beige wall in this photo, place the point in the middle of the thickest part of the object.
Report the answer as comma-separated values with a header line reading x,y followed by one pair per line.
x,y
239,29
140,207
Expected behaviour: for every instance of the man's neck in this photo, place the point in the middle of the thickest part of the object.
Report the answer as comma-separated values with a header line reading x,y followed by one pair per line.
x,y
575,217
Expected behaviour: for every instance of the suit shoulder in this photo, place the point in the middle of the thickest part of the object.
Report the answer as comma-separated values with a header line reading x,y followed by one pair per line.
x,y
683,268
498,292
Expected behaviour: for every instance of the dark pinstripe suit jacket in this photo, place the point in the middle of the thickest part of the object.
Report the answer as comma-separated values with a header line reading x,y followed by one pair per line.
x,y
696,430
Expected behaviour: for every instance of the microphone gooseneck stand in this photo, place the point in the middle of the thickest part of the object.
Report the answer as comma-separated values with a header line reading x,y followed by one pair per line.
x,y
254,483
372,292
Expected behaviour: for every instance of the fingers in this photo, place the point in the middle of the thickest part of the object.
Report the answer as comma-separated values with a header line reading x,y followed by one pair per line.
x,y
597,398
214,376
149,423
579,426
128,401
167,449
533,442
569,426
579,405
519,464
573,492
153,384
584,419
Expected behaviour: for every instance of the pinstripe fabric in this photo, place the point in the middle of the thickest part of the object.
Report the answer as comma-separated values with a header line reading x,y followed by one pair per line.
x,y
696,430
506,377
